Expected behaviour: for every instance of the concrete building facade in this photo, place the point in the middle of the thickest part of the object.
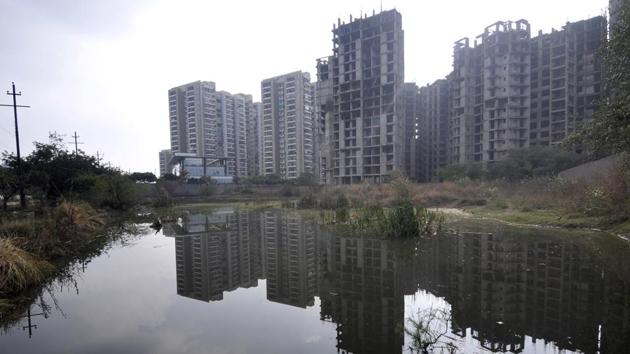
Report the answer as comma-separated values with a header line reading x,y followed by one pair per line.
x,y
410,114
323,118
510,91
191,109
254,140
566,79
432,126
365,122
288,132
466,107
506,67
213,124
165,158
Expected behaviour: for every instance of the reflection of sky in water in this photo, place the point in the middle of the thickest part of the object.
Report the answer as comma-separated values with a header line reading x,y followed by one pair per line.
x,y
149,317
423,302
312,292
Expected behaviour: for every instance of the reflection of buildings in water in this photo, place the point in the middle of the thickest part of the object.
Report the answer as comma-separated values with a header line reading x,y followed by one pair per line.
x,y
362,288
225,251
289,248
215,253
505,288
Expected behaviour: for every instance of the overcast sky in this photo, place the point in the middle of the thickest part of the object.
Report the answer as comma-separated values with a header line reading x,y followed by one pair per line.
x,y
103,68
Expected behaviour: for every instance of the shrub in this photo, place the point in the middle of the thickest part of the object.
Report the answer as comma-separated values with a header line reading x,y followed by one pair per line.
x,y
307,201
288,191
113,191
143,177
342,202
169,177
402,221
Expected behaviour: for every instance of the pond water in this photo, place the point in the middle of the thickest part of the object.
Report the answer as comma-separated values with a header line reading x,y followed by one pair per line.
x,y
272,282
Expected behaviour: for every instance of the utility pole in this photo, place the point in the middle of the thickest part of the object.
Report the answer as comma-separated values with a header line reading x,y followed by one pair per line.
x,y
17,142
76,143
99,157
30,325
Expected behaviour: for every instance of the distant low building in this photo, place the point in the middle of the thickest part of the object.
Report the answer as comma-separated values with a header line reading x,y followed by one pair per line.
x,y
193,166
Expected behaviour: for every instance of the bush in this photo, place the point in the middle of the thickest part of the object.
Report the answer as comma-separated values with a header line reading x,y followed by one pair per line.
x,y
265,180
609,197
402,221
519,164
305,179
169,177
467,170
288,191
342,202
307,201
113,191
143,177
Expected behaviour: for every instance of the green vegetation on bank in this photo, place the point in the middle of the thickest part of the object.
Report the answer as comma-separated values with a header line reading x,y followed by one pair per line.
x,y
64,190
609,131
544,200
51,173
400,218
519,164
28,245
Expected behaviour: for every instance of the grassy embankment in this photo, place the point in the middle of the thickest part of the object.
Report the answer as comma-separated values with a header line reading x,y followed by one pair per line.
x,y
604,204
547,201
35,248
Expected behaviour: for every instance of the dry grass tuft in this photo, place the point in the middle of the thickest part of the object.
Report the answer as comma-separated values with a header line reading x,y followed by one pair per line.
x,y
70,219
18,268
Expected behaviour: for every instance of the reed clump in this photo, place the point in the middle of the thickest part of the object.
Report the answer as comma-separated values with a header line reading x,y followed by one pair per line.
x,y
20,269
69,220
27,245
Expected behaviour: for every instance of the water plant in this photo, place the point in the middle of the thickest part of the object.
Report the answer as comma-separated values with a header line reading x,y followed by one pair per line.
x,y
401,221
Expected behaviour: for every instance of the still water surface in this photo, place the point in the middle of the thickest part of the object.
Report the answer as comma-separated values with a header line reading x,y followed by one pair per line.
x,y
271,282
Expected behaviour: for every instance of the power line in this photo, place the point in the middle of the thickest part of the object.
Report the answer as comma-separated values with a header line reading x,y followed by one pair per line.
x,y
6,131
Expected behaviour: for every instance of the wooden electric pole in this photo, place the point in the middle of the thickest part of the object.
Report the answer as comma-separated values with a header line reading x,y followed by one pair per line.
x,y
76,143
17,142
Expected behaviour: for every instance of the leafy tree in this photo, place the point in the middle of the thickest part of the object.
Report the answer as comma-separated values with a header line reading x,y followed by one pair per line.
x,y
8,185
169,177
115,191
535,161
609,131
52,172
306,179
266,180
471,170
143,177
